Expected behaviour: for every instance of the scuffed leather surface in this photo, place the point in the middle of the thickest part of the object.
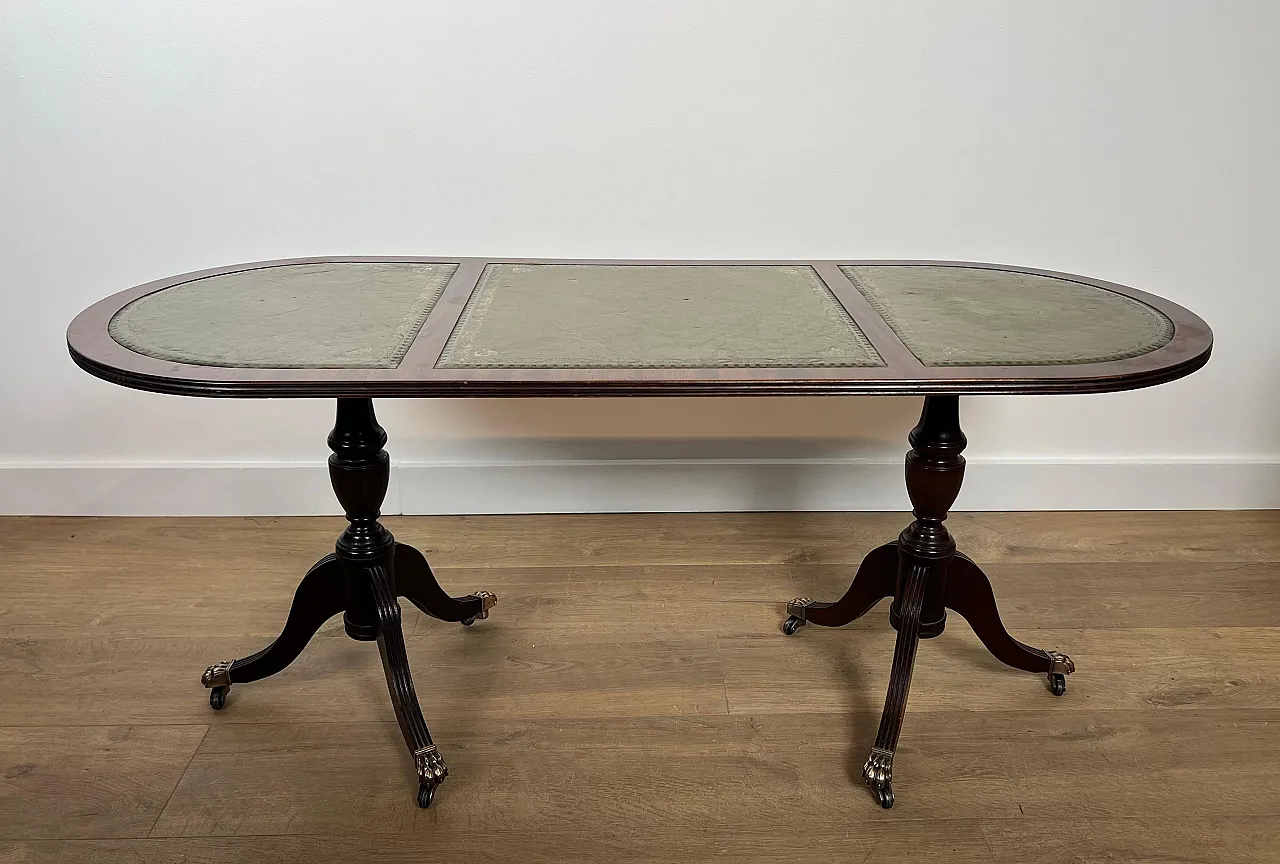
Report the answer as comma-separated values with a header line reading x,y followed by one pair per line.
x,y
298,316
969,316
555,316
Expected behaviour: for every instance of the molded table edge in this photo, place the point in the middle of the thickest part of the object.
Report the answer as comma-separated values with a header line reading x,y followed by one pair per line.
x,y
97,353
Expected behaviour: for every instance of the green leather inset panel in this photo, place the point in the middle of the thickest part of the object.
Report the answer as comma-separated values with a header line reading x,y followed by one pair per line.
x,y
602,316
970,316
296,316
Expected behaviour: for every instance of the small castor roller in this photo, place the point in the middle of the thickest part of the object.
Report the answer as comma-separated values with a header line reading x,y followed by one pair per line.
x,y
1060,666
1057,683
487,602
884,796
796,617
426,793
218,679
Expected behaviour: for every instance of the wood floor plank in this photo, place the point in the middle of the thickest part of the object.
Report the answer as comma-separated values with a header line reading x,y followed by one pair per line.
x,y
168,602
95,782
1052,537
1184,838
690,775
1100,595
162,599
460,672
823,669
648,841
786,772
624,539
709,538
62,541
706,538
1115,764
183,598
478,541
1124,595
678,538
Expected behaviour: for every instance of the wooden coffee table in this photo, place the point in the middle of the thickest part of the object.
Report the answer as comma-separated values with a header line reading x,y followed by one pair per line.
x,y
355,328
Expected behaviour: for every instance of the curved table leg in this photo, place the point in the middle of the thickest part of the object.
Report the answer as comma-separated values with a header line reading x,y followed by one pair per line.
x,y
878,770
873,582
416,583
969,592
320,596
395,663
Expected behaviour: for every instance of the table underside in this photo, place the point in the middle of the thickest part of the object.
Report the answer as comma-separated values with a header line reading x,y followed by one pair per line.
x,y
436,327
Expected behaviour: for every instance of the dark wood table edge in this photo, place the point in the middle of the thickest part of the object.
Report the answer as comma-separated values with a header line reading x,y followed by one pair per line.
x,y
92,348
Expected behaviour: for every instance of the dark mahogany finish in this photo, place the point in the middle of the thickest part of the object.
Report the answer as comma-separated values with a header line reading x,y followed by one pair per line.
x,y
925,575
360,580
360,470
935,470
418,585
969,593
875,580
321,595
922,571
417,376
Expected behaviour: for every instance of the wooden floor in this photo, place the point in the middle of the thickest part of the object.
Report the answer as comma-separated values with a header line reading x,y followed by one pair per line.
x,y
632,698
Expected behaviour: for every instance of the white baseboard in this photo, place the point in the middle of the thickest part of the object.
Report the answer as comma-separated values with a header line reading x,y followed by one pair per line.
x,y
635,485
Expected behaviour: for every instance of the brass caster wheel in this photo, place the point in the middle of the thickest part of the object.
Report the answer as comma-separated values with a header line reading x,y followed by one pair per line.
x,y
426,792
1060,666
218,679
1057,683
797,616
487,601
885,797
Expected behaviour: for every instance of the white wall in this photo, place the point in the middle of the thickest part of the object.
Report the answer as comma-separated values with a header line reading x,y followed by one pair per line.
x,y
1133,141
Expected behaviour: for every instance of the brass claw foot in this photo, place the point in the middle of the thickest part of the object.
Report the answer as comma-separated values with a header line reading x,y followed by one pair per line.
x,y
218,679
431,773
217,675
796,615
1060,666
487,601
878,772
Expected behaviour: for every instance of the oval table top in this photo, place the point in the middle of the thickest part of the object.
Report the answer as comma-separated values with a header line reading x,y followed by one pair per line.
x,y
448,327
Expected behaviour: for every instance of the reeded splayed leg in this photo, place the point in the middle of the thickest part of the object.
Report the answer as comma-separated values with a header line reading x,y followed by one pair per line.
x,y
395,664
878,769
969,592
